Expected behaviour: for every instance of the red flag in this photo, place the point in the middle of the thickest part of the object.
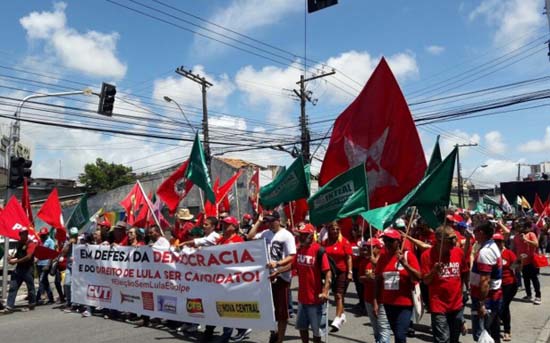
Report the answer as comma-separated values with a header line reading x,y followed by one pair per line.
x,y
144,215
298,212
133,202
13,219
537,205
222,194
26,201
254,190
547,202
377,128
43,253
211,209
175,188
50,212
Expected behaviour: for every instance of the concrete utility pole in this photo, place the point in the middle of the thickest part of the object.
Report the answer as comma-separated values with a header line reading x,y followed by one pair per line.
x,y
304,96
547,12
459,176
204,86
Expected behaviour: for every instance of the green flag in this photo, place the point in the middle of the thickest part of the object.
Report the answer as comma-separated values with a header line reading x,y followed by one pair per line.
x,y
432,192
291,184
80,214
487,200
435,159
344,196
197,172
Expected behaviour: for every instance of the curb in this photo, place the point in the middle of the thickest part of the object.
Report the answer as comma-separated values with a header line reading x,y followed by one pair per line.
x,y
544,334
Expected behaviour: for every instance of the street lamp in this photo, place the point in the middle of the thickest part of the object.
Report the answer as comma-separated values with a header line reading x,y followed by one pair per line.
x,y
476,168
168,99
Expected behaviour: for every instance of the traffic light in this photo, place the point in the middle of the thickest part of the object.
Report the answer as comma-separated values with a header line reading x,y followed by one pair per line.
x,y
106,99
19,169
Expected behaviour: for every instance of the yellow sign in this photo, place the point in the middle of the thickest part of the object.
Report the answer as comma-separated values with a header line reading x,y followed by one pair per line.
x,y
245,309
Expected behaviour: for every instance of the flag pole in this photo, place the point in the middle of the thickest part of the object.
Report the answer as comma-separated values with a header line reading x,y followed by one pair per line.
x,y
441,245
409,224
202,201
291,215
237,200
148,201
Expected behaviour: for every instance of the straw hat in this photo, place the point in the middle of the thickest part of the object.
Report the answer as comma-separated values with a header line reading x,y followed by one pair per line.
x,y
184,214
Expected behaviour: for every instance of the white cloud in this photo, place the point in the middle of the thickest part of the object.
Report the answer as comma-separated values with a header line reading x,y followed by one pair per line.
x,y
516,21
494,142
447,142
435,49
497,171
243,16
535,145
185,91
92,53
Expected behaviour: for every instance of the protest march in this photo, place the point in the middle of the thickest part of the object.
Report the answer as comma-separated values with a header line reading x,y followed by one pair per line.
x,y
390,230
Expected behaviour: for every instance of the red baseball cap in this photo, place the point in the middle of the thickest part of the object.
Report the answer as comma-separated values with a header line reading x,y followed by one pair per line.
x,y
307,229
231,220
44,231
498,237
247,216
375,242
392,233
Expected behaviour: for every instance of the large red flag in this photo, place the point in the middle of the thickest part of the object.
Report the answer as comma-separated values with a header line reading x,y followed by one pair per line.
x,y
43,253
210,209
296,211
26,201
175,188
13,219
133,202
50,212
254,190
377,128
538,206
222,194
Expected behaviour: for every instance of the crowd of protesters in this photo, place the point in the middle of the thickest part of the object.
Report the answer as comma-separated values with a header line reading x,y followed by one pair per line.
x,y
472,259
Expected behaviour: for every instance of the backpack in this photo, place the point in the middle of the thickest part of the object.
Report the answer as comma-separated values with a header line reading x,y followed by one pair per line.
x,y
333,269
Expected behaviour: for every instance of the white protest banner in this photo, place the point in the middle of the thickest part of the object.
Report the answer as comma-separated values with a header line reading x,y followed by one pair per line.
x,y
225,285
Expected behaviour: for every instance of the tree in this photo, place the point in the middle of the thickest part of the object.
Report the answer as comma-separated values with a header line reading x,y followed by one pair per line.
x,y
103,176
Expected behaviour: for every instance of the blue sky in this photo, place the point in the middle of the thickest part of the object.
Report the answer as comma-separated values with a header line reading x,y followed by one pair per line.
x,y
432,47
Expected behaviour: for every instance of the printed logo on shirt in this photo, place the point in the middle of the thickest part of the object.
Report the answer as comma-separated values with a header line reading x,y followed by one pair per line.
x,y
305,260
194,307
451,269
148,301
244,309
97,292
167,304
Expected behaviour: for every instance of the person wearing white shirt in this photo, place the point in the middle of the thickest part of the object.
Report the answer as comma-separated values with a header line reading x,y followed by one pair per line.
x,y
159,241
211,237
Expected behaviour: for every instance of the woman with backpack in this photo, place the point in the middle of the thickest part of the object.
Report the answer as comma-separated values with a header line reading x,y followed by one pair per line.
x,y
339,252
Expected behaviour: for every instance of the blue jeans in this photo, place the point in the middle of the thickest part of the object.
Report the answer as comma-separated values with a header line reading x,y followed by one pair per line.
x,y
491,322
17,278
446,326
314,316
44,284
400,320
380,324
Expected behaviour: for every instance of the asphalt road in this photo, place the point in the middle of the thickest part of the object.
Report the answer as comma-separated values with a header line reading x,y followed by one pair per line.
x,y
47,324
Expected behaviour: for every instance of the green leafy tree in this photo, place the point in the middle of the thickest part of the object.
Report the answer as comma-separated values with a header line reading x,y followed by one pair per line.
x,y
103,176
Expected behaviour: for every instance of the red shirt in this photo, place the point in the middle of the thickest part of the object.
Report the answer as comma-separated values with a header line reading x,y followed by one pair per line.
x,y
355,259
368,291
233,239
508,258
181,230
339,252
428,238
445,290
309,273
396,283
521,248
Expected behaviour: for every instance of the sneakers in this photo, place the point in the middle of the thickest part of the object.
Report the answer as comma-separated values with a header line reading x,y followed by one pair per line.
x,y
7,310
70,310
507,337
336,324
86,313
527,297
537,301
241,335
193,328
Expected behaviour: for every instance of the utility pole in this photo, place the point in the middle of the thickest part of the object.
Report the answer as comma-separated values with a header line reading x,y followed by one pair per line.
x,y
304,96
204,86
547,12
458,174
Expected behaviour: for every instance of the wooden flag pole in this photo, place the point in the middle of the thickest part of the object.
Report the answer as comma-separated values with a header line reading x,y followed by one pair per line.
x,y
291,215
409,224
237,201
148,201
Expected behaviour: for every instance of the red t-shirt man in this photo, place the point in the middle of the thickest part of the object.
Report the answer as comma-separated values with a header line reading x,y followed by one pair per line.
x,y
396,283
309,271
445,290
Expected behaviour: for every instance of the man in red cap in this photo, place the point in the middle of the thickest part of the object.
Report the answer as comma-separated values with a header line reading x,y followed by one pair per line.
x,y
42,266
23,259
246,224
311,264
